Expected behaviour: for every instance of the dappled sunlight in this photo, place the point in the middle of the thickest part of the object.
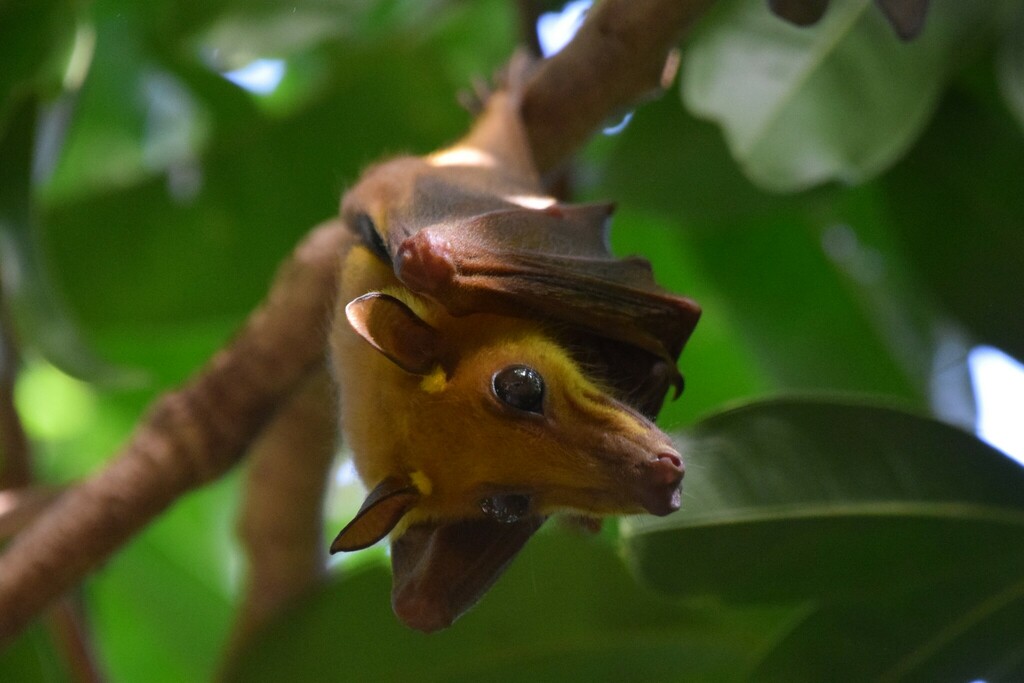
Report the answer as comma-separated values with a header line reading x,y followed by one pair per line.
x,y
52,404
462,156
81,56
531,201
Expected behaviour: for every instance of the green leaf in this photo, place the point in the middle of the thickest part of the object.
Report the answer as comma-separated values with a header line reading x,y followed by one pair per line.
x,y
957,211
161,608
762,267
45,322
33,658
866,513
35,37
133,119
184,259
947,632
717,363
842,100
566,610
1010,67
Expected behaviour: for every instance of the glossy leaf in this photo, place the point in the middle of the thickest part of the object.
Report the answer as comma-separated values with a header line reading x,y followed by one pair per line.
x,y
839,101
814,286
565,609
845,506
957,213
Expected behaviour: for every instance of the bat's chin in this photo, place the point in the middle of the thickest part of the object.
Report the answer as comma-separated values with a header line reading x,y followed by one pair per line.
x,y
658,488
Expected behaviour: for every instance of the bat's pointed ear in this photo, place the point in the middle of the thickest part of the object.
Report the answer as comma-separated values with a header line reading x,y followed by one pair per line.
x,y
395,330
381,511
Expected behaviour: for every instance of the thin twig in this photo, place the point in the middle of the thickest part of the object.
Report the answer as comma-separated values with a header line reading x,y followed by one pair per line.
x,y
15,463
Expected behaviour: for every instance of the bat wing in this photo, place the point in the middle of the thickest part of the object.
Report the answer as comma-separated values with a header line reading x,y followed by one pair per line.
x,y
554,264
441,570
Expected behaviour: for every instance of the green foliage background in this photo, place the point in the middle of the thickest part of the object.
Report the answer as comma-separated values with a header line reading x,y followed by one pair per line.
x,y
848,210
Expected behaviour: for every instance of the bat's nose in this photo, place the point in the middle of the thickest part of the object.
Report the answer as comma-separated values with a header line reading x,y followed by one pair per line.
x,y
673,462
660,482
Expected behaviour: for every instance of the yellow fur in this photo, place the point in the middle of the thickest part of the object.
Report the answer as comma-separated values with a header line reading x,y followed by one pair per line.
x,y
435,382
446,430
453,438
421,482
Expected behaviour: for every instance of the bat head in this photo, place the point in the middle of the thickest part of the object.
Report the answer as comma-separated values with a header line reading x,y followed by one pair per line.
x,y
498,427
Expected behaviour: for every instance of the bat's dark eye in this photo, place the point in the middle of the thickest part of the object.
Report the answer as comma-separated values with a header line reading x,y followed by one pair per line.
x,y
506,509
521,387
371,237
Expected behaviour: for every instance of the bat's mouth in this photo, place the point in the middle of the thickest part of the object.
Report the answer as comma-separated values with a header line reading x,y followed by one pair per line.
x,y
658,488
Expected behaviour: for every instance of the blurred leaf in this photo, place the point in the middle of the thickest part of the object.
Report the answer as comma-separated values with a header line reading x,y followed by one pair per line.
x,y
195,248
957,210
565,610
170,586
1010,67
44,322
941,633
688,173
813,285
133,119
842,100
846,506
718,366
35,37
33,658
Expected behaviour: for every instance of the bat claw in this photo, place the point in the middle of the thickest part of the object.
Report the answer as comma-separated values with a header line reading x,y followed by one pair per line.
x,y
424,262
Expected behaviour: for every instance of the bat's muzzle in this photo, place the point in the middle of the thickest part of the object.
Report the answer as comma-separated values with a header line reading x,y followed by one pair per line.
x,y
660,482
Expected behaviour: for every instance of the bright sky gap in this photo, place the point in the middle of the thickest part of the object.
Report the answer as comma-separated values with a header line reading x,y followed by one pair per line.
x,y
998,383
556,29
260,76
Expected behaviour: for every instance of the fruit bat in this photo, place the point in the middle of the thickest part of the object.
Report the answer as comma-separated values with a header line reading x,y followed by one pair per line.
x,y
496,365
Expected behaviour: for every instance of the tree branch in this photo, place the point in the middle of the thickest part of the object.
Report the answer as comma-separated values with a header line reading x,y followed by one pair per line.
x,y
189,437
617,58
